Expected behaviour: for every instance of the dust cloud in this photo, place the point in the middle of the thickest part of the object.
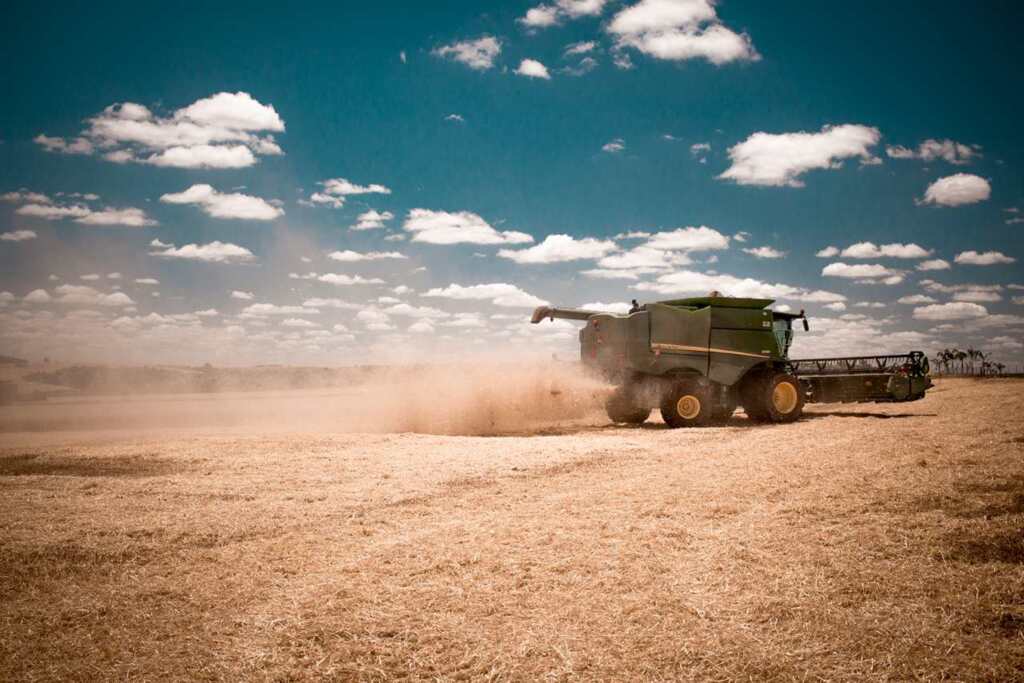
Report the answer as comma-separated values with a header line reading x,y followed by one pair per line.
x,y
465,399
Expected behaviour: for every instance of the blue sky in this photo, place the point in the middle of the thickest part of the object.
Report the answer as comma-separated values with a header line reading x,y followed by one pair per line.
x,y
505,154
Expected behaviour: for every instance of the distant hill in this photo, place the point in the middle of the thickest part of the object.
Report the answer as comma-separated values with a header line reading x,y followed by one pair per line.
x,y
11,360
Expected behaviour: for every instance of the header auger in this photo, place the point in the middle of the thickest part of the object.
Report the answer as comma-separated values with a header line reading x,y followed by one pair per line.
x,y
697,359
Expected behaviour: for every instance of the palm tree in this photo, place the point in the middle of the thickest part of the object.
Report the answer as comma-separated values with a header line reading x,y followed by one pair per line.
x,y
1000,367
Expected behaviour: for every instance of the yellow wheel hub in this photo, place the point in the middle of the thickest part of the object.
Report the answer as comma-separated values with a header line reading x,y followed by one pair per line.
x,y
784,398
688,407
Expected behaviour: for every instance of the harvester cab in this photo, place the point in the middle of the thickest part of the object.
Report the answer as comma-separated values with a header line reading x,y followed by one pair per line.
x,y
697,359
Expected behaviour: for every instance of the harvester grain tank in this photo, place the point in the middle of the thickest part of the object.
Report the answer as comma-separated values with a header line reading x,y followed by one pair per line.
x,y
697,359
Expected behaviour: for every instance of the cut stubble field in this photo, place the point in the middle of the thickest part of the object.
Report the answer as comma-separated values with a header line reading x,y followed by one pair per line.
x,y
863,542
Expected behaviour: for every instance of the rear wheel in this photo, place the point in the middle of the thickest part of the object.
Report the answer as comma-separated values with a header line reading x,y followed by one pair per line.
x,y
623,408
687,404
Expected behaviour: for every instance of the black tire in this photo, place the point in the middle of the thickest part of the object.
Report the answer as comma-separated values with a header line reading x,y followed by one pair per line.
x,y
687,404
784,398
774,397
752,396
621,407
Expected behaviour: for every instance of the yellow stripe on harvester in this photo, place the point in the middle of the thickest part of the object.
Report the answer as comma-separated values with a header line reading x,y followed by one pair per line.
x,y
680,348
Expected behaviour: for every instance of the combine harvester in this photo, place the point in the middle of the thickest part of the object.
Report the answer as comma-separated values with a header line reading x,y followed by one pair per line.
x,y
697,359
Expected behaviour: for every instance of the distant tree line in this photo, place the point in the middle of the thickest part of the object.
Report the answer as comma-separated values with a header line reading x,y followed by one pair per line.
x,y
968,361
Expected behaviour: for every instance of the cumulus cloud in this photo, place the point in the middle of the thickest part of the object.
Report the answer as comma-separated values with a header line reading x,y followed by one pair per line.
x,y
616,145
335,190
232,205
460,227
349,256
83,295
264,310
828,252
934,264
692,282
531,68
679,30
895,250
580,48
498,293
957,190
560,248
948,150
778,160
225,130
38,296
213,252
342,280
43,207
477,54
372,220
242,296
977,296
18,236
543,16
765,252
915,299
691,238
24,196
864,272
958,310
988,258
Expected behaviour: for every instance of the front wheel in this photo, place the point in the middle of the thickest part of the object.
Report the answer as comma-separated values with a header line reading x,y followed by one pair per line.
x,y
687,404
776,397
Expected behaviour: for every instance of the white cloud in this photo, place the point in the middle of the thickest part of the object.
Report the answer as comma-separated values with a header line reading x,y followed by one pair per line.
x,y
208,313
242,296
24,196
915,299
559,249
632,235
37,296
543,16
349,256
220,131
499,293
91,277
264,310
988,258
461,227
690,238
581,48
616,145
679,30
456,118
930,150
618,307
895,250
642,260
769,159
319,302
477,54
343,280
299,323
531,68
934,264
54,144
828,252
837,306
214,252
405,310
957,190
977,296
692,282
129,217
18,236
342,187
132,218
225,205
372,220
765,252
863,271
88,296
950,311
